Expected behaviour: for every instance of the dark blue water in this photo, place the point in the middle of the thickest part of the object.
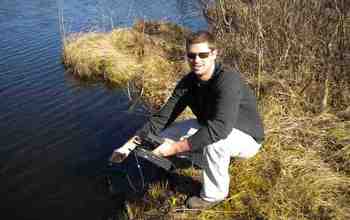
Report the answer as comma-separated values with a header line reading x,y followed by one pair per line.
x,y
56,132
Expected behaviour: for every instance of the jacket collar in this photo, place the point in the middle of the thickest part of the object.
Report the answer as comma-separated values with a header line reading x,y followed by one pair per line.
x,y
216,73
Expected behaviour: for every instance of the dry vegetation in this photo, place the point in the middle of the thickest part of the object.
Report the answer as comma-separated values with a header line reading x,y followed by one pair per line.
x,y
296,55
148,55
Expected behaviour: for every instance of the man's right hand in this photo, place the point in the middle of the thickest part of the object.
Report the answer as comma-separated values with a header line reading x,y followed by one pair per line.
x,y
123,152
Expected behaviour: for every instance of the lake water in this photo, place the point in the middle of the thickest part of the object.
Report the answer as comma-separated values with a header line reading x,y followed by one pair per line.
x,y
56,132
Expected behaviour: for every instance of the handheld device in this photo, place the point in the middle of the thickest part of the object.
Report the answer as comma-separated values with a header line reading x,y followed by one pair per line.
x,y
154,159
142,150
127,170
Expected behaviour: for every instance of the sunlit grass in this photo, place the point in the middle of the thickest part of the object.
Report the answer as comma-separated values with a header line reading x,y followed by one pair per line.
x,y
149,54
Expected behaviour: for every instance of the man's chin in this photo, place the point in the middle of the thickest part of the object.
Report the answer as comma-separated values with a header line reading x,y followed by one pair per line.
x,y
198,72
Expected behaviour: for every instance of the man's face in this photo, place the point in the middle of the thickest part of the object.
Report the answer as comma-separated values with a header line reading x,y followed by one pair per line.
x,y
201,60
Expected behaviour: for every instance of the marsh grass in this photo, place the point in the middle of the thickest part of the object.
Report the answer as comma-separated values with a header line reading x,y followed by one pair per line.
x,y
150,54
295,54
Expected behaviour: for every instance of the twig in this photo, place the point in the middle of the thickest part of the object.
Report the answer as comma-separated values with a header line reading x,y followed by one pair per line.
x,y
201,210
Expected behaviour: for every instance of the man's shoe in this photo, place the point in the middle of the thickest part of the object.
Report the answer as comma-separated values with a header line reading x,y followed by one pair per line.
x,y
195,202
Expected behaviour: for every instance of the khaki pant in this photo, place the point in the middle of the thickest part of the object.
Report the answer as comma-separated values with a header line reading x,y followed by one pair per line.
x,y
214,159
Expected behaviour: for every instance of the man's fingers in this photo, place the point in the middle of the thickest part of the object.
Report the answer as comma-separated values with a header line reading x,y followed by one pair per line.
x,y
169,141
121,153
117,157
157,152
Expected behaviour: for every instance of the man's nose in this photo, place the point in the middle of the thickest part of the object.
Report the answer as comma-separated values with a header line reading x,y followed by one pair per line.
x,y
197,59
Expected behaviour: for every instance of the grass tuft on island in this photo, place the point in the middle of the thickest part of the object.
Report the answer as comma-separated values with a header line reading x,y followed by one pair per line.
x,y
150,55
303,169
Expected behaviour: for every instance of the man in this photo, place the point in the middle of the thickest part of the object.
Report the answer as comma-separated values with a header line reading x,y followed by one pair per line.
x,y
227,121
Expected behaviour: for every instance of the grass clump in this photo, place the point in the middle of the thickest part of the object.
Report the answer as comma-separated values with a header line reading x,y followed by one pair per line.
x,y
150,55
93,55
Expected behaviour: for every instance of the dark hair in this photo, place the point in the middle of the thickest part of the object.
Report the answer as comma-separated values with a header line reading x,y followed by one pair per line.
x,y
201,37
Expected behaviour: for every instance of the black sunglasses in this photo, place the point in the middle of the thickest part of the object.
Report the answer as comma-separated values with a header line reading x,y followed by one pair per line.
x,y
201,55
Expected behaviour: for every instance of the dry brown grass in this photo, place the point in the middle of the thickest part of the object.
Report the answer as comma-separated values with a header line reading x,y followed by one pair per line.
x,y
305,43
291,178
150,54
96,55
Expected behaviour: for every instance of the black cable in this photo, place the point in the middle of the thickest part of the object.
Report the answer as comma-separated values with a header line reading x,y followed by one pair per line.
x,y
140,170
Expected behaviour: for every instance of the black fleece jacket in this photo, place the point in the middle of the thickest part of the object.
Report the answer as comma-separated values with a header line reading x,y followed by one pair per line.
x,y
220,104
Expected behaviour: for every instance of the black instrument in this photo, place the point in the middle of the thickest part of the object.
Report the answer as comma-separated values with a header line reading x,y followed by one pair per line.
x,y
154,159
144,150
128,175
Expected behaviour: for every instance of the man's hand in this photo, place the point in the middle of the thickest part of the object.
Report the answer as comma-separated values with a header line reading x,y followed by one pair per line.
x,y
123,152
170,147
164,149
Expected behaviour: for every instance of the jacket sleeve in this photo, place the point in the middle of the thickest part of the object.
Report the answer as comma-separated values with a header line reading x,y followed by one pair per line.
x,y
169,112
226,110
